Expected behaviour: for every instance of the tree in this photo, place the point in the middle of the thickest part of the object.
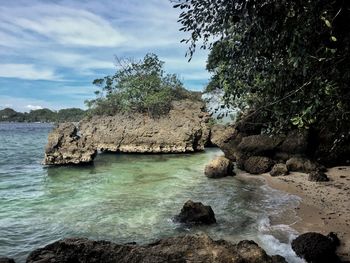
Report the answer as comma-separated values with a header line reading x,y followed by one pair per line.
x,y
286,60
140,86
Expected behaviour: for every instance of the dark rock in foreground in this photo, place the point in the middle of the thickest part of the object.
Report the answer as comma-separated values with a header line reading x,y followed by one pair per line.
x,y
196,213
65,146
6,260
219,167
189,248
316,248
318,176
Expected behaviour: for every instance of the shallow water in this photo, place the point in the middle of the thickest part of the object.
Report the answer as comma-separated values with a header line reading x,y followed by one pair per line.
x,y
124,198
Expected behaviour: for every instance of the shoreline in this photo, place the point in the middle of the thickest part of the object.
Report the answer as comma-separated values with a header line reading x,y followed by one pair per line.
x,y
324,207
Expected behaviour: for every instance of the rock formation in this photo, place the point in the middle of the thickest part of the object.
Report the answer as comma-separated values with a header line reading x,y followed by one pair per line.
x,y
65,146
183,129
196,213
316,248
279,169
318,176
188,248
219,167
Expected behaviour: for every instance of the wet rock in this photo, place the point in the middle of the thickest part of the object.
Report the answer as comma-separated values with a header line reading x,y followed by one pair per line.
x,y
315,248
184,129
219,167
304,165
188,248
279,170
6,260
258,164
259,144
196,213
65,146
318,176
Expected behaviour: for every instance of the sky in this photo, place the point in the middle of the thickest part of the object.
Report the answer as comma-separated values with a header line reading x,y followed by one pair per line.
x,y
52,50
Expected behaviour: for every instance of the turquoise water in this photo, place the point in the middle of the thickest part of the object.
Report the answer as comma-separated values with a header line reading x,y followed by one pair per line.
x,y
124,198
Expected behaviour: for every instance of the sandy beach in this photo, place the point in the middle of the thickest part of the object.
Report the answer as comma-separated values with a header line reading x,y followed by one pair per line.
x,y
325,207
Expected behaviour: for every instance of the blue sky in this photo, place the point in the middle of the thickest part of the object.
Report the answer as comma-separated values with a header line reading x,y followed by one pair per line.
x,y
50,51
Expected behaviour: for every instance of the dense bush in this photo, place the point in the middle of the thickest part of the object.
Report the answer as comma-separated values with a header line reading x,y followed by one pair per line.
x,y
286,60
141,86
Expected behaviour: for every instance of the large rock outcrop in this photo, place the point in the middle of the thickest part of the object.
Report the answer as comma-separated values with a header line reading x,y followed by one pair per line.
x,y
188,248
65,146
183,129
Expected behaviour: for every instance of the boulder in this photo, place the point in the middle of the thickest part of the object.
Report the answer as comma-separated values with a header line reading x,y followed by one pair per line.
x,y
6,260
219,167
188,248
304,165
196,213
279,169
261,144
227,139
65,146
184,129
315,248
258,164
318,176
296,143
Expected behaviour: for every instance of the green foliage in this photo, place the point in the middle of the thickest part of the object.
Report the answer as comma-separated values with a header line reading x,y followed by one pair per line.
x,y
287,60
43,115
141,86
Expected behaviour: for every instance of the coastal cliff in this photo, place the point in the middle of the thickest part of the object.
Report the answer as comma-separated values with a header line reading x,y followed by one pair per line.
x,y
184,129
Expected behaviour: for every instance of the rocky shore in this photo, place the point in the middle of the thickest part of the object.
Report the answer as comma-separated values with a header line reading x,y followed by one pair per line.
x,y
184,129
188,248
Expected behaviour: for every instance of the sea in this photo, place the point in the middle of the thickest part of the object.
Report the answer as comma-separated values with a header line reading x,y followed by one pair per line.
x,y
127,198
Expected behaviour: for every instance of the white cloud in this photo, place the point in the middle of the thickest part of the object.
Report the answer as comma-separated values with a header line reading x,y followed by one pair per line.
x,y
67,26
26,71
34,107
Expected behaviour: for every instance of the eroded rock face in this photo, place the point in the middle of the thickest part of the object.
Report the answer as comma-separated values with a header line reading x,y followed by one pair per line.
x,y
189,248
258,164
219,167
184,129
196,213
316,248
65,146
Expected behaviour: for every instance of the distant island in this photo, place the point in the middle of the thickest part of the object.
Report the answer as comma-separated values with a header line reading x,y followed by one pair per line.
x,y
42,115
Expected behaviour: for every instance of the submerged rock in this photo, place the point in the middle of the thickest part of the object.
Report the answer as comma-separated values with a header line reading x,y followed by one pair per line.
x,y
196,213
219,167
279,170
65,146
184,129
188,248
258,164
318,176
316,248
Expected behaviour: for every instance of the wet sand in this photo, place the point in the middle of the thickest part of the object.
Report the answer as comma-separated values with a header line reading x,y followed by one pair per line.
x,y
325,207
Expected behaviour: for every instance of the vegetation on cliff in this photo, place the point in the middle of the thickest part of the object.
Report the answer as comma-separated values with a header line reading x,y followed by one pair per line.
x,y
42,115
138,86
287,60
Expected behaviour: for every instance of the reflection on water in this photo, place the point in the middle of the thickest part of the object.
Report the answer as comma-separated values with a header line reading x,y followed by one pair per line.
x,y
122,197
